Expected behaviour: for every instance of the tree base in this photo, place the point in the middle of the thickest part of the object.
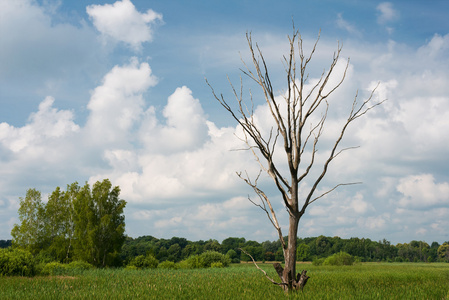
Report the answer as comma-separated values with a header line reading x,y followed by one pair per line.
x,y
292,284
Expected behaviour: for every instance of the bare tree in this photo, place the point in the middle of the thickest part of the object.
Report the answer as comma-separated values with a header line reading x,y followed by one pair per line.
x,y
297,133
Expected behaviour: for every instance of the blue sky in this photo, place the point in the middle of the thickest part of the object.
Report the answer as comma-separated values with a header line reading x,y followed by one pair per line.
x,y
115,89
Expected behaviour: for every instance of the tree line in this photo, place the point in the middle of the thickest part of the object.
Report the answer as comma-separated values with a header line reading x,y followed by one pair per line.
x,y
177,249
366,250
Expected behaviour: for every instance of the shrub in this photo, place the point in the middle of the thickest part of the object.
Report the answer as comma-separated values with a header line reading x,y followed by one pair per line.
x,y
79,265
142,262
216,265
318,261
167,265
339,259
233,256
209,257
192,262
53,268
16,262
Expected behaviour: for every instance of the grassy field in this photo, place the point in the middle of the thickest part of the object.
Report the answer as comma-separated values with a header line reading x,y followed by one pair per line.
x,y
241,281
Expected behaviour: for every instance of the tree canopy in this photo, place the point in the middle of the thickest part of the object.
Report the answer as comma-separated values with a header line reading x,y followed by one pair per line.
x,y
81,223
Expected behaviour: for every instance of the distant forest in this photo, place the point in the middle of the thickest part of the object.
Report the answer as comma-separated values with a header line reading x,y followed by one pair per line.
x,y
366,250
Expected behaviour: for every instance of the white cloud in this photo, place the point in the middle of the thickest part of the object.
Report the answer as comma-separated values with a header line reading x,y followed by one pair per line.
x,y
373,223
46,125
386,13
343,24
122,22
185,127
359,205
421,191
437,46
118,103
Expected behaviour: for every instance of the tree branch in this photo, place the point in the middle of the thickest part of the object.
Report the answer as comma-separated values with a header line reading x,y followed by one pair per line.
x,y
266,275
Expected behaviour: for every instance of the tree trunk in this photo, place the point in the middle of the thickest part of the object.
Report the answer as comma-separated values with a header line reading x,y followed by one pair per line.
x,y
288,276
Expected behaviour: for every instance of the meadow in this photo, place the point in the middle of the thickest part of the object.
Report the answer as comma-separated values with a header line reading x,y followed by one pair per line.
x,y
239,281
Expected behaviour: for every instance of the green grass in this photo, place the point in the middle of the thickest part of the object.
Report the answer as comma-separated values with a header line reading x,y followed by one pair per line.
x,y
244,281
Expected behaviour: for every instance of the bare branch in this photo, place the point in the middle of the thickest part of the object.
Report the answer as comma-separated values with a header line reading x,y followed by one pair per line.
x,y
266,275
332,189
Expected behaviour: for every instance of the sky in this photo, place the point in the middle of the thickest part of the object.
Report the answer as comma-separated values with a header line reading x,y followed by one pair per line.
x,y
116,89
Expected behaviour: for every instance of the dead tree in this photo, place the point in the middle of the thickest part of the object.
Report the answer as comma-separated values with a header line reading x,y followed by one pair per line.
x,y
297,133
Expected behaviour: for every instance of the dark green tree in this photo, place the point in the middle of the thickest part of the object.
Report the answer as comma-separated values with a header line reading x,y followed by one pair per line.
x,y
100,229
303,252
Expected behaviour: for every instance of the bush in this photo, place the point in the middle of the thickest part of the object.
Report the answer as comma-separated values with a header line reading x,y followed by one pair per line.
x,y
79,265
16,262
143,262
339,259
54,268
167,265
318,261
216,265
192,262
209,257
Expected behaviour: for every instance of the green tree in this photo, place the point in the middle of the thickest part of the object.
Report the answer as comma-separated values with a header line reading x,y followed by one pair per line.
x,y
174,252
303,252
212,245
60,225
30,233
443,252
100,229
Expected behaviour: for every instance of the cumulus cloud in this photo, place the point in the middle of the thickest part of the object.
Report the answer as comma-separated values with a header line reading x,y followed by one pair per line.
x,y
422,191
122,22
185,127
46,125
118,103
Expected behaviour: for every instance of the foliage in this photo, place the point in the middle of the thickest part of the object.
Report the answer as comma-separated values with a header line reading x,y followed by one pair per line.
x,y
303,252
143,262
209,257
308,249
5,243
57,268
318,261
339,259
100,223
16,262
79,265
30,235
192,262
80,223
216,265
443,252
53,268
167,265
